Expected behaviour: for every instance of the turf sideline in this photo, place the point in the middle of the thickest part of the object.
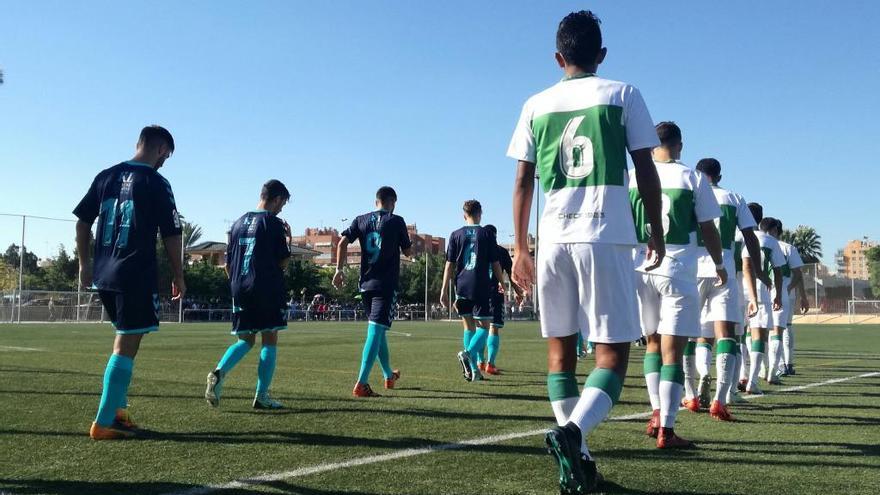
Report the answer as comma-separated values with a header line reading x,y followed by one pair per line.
x,y
335,466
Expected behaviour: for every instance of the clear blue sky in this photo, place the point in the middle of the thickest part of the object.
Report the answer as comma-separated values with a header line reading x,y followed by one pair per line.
x,y
338,98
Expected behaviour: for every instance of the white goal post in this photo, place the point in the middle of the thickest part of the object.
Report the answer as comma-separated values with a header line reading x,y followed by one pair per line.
x,y
862,308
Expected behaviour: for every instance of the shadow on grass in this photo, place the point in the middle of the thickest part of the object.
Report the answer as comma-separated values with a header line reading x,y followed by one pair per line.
x,y
612,487
425,413
64,487
661,456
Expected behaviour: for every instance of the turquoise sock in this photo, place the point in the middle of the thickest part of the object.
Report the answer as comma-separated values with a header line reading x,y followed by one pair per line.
x,y
385,357
580,343
233,355
375,333
475,348
266,368
493,343
466,338
117,376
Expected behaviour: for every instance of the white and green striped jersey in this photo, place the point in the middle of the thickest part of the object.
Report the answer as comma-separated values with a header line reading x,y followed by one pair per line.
x,y
792,260
687,201
577,133
771,254
735,216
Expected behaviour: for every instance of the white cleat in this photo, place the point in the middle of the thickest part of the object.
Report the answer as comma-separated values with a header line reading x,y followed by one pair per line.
x,y
212,391
266,402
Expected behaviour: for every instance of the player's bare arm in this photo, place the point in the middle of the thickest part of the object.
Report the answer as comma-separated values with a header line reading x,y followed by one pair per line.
x,y
341,256
649,190
174,248
444,289
84,249
523,272
712,240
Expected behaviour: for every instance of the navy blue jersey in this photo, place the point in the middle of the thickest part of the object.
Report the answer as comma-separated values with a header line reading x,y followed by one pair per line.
x,y
257,246
131,202
382,236
503,258
473,250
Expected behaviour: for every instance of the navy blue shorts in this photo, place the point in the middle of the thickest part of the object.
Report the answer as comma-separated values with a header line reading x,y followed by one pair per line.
x,y
253,320
131,312
380,306
497,303
479,309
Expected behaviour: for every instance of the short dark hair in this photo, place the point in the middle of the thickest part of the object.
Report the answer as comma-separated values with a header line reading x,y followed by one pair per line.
x,y
709,166
767,224
757,211
492,230
155,135
274,189
472,207
579,38
779,225
669,133
386,194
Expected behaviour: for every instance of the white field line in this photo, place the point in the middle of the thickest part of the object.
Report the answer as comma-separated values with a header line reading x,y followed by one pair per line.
x,y
22,349
404,334
360,461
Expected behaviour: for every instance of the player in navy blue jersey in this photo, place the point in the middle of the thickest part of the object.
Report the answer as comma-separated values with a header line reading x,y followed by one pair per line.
x,y
382,236
472,254
256,255
497,306
131,202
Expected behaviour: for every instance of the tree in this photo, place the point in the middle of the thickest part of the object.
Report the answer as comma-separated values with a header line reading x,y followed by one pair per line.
x,y
807,242
192,233
302,274
412,279
205,280
873,256
8,277
12,258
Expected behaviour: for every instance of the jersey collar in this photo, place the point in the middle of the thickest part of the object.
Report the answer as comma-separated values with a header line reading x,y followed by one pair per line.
x,y
580,75
138,164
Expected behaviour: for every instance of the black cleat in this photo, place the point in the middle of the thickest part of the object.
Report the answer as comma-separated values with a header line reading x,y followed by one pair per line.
x,y
576,475
466,371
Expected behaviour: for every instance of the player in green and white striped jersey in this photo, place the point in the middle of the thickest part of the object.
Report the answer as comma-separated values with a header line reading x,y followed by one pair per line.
x,y
721,305
770,263
792,279
668,296
576,134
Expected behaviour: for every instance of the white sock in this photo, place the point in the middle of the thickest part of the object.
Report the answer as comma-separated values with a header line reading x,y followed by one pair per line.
x,y
755,368
703,359
734,373
744,362
690,372
788,347
776,354
724,367
562,409
670,401
652,381
592,408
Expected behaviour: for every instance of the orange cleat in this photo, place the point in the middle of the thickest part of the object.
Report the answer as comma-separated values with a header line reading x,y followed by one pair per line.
x,y
363,390
116,431
667,439
123,418
481,366
653,424
491,369
389,382
692,405
720,412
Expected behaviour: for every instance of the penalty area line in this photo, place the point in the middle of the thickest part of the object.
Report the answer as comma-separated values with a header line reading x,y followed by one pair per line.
x,y
400,454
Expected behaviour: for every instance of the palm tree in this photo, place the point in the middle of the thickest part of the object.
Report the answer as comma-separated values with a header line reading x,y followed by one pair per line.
x,y
191,234
807,242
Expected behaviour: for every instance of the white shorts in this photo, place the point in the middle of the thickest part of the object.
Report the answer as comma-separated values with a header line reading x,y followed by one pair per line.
x,y
668,306
588,287
718,303
764,317
782,317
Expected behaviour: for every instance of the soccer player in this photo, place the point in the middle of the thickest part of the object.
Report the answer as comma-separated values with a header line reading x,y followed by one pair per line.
x,y
496,305
256,254
668,296
576,134
131,202
770,263
782,349
721,304
472,254
382,236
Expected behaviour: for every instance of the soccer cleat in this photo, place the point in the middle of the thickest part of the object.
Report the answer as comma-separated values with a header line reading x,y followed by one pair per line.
x,y
653,424
576,474
734,398
116,431
790,370
481,366
466,371
720,412
124,418
263,401
389,382
754,390
667,439
492,370
774,380
705,391
476,376
692,405
741,386
363,390
212,391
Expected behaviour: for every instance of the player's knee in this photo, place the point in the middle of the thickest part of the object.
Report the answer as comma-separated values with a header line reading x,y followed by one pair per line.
x,y
249,339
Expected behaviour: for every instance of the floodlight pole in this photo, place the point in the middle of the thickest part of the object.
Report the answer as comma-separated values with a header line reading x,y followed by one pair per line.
x,y
816,284
182,261
426,283
21,267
